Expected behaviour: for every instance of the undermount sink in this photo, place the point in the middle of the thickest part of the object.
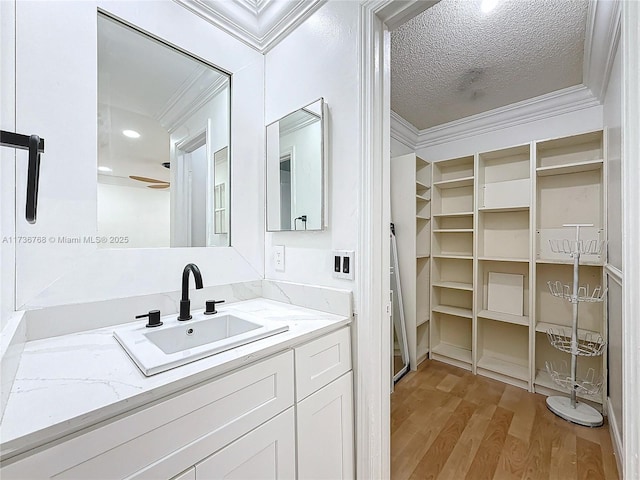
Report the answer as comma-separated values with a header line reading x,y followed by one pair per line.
x,y
156,350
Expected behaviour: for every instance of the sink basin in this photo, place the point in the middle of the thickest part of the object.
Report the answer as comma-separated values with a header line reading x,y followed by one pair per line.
x,y
156,350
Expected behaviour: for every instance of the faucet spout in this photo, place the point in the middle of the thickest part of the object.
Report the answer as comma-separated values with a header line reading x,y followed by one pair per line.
x,y
197,276
185,303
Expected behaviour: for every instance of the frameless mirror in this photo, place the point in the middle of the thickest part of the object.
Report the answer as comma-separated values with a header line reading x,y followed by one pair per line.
x,y
295,170
163,143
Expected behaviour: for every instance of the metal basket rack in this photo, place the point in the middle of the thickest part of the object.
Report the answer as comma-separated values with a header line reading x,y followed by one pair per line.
x,y
585,294
569,341
591,384
590,345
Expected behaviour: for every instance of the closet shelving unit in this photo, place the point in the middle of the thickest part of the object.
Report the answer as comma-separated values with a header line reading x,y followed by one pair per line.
x,y
570,341
411,215
504,271
570,189
493,215
452,286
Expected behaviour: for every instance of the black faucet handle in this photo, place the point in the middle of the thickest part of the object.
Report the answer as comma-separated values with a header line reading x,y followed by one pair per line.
x,y
154,318
210,306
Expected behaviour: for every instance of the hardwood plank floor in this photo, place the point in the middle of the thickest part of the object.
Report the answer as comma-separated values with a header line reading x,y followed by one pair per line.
x,y
448,424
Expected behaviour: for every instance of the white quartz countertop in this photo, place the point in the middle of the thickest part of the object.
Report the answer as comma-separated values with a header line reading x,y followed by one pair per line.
x,y
66,383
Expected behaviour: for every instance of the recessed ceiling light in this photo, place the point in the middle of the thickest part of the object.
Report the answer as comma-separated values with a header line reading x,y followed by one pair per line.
x,y
104,169
488,5
131,133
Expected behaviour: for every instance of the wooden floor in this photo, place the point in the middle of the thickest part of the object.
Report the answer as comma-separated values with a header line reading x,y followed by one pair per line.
x,y
449,424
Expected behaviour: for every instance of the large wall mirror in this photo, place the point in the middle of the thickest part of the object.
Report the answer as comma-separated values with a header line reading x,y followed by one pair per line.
x,y
163,144
295,170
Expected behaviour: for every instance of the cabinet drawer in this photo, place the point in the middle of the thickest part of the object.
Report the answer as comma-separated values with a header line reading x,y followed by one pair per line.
x,y
166,438
321,361
266,453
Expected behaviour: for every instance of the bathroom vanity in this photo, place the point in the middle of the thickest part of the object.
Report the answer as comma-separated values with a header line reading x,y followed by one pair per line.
x,y
280,407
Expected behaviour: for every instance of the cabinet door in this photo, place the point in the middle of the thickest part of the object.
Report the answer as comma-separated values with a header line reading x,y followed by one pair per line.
x,y
325,432
266,453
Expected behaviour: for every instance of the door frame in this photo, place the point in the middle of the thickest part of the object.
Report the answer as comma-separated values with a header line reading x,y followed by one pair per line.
x,y
630,232
373,324
373,328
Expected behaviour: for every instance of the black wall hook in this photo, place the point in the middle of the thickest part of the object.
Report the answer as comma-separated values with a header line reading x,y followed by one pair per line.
x,y
35,145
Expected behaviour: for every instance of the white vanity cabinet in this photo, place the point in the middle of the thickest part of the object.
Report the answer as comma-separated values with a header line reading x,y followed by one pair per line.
x,y
324,394
325,432
241,425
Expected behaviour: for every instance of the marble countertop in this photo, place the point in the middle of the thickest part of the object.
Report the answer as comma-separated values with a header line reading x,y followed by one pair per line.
x,y
70,382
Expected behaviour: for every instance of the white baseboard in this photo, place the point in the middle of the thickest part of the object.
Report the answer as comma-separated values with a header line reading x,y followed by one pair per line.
x,y
616,438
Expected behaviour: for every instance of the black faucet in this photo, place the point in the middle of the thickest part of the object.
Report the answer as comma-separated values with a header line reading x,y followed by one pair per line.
x,y
185,303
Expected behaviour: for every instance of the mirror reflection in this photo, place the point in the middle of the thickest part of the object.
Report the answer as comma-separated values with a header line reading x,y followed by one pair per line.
x,y
295,163
163,144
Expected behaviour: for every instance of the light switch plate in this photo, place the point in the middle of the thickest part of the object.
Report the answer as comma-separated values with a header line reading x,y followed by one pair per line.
x,y
278,258
342,264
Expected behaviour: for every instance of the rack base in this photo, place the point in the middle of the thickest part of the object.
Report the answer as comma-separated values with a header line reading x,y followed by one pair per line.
x,y
583,414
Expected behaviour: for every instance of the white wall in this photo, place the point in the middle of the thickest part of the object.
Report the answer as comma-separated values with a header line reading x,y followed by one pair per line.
x,y
316,60
580,121
7,163
61,105
398,148
613,125
141,214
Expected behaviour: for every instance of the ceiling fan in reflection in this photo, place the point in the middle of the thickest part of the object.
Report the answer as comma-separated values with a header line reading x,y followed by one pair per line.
x,y
156,183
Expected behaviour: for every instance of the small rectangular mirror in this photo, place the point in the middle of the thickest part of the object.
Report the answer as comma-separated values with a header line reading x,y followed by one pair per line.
x,y
295,170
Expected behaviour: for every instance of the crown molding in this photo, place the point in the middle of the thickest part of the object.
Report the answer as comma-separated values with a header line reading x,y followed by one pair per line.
x,y
183,104
261,24
538,108
300,124
602,36
403,131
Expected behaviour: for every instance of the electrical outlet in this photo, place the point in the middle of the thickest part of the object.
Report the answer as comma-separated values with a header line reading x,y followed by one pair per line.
x,y
278,258
343,265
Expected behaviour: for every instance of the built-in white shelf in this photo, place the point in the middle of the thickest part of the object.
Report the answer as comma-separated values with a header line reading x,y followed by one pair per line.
x,y
411,208
503,259
514,208
453,230
452,351
504,317
575,167
455,311
460,257
454,183
503,367
421,321
454,214
584,261
453,285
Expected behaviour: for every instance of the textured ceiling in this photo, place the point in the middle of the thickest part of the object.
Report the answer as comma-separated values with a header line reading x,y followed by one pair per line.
x,y
453,61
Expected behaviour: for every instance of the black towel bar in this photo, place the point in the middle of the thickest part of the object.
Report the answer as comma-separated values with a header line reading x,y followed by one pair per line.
x,y
35,145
